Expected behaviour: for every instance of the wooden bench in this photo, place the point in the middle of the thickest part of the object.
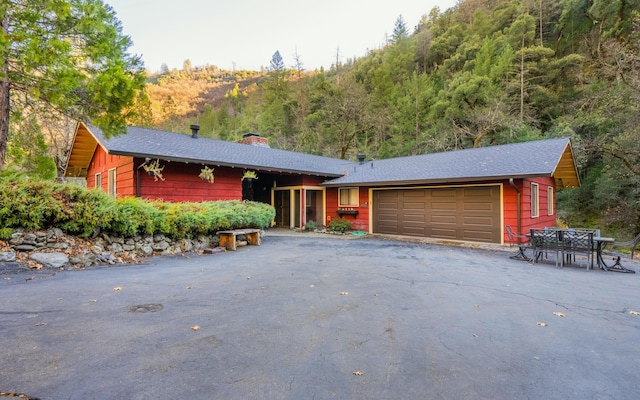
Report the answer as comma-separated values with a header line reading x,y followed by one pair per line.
x,y
228,238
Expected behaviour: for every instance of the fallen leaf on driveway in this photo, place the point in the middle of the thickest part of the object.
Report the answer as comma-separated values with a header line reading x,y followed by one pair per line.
x,y
634,312
559,314
358,373
195,327
344,293
188,287
93,300
542,324
41,324
117,288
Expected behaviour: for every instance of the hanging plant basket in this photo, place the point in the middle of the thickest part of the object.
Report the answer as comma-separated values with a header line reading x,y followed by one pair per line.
x,y
206,173
249,175
154,169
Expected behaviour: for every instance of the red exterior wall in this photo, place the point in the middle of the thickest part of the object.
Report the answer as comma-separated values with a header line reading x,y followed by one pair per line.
x,y
103,162
359,221
181,181
509,204
527,220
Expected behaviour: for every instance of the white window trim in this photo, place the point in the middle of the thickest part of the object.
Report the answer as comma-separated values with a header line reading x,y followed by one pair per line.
x,y
352,202
535,200
111,186
550,200
98,181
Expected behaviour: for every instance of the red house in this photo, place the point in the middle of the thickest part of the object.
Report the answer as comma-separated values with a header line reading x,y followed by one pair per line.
x,y
465,195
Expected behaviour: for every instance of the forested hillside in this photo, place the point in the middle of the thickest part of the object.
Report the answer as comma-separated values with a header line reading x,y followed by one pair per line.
x,y
486,72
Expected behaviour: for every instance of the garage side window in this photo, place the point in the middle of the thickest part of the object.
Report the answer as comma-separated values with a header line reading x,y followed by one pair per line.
x,y
112,182
535,200
348,197
550,202
98,181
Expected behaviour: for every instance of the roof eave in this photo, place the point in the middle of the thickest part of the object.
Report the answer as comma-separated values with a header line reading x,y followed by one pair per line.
x,y
222,164
440,181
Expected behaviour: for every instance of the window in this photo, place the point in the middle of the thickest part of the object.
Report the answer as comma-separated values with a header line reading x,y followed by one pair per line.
x,y
550,201
112,182
98,181
534,200
348,197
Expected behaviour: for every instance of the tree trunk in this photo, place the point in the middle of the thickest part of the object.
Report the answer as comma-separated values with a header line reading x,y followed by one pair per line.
x,y
4,98
4,121
522,81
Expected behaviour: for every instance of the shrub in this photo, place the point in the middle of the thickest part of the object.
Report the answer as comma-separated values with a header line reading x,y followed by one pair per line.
x,y
340,225
34,204
311,226
135,216
85,211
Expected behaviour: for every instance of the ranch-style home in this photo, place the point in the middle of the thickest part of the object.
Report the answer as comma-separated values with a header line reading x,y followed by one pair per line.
x,y
465,195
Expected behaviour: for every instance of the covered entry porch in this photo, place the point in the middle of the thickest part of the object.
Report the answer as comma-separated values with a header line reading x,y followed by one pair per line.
x,y
297,205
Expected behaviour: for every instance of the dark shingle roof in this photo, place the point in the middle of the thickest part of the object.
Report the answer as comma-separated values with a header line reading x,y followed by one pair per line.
x,y
142,142
518,160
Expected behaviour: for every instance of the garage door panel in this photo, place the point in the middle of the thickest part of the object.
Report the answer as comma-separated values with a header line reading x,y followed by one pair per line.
x,y
443,219
443,233
476,206
443,206
480,221
462,213
477,236
415,206
442,192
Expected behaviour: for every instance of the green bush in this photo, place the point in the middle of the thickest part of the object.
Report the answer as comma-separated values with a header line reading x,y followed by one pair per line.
x,y
134,216
340,225
311,226
34,204
85,211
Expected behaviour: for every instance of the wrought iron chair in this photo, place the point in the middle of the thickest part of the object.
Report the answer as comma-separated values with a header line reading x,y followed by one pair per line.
x,y
579,241
547,240
522,241
631,244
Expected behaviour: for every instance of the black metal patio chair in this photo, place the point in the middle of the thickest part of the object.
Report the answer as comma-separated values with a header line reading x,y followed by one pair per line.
x,y
631,244
522,241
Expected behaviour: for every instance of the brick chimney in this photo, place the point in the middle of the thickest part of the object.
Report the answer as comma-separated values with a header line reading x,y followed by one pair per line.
x,y
254,139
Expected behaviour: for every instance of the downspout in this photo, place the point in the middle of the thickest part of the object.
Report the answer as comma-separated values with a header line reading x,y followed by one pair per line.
x,y
138,182
519,222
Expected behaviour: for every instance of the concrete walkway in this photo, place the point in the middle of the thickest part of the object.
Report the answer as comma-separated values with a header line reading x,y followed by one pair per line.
x,y
308,316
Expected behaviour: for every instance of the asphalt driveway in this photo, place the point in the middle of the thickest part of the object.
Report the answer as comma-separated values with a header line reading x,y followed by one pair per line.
x,y
311,317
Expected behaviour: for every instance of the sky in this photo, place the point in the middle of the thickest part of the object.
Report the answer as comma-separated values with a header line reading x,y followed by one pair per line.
x,y
244,34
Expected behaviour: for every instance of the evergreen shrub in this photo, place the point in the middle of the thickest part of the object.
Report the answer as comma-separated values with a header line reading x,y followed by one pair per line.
x,y
35,204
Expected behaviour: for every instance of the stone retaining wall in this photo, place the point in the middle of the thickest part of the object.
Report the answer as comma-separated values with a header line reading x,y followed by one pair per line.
x,y
54,249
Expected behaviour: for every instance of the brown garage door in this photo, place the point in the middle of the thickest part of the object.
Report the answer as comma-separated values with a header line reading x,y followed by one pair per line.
x,y
459,213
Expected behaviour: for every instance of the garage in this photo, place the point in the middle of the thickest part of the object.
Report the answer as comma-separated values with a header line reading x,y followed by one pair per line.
x,y
469,213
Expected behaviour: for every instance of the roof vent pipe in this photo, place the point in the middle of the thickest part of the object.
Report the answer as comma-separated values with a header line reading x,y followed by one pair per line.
x,y
361,158
194,131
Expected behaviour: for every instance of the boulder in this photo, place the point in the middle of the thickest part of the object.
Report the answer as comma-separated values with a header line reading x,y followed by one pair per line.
x,y
7,256
84,260
51,260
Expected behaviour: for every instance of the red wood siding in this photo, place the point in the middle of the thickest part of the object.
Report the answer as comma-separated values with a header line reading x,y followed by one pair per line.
x,y
360,221
182,183
527,221
125,176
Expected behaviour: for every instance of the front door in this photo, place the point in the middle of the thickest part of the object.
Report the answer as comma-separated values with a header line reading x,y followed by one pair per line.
x,y
314,209
282,204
